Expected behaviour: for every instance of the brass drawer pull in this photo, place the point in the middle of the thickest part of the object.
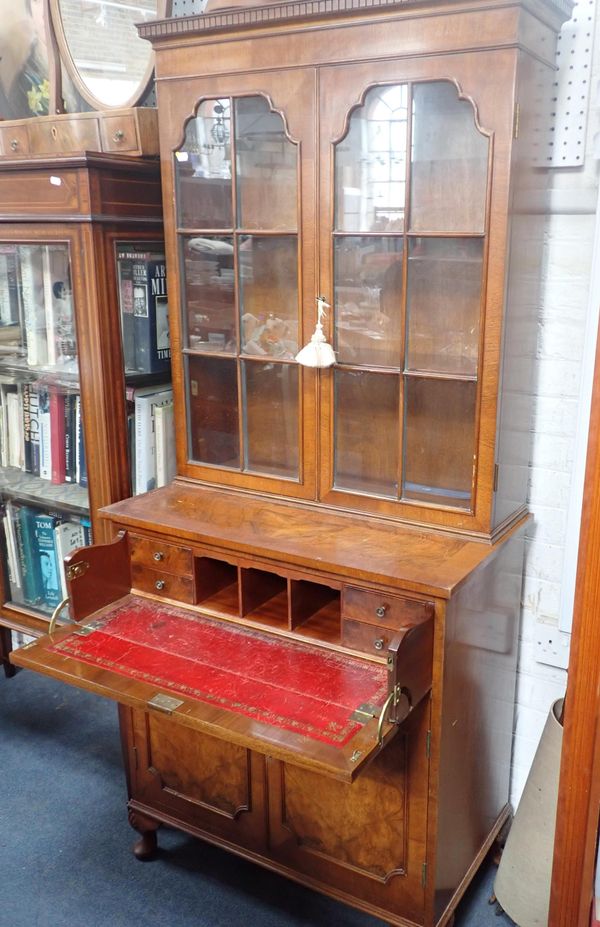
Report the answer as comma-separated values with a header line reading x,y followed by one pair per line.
x,y
158,555
118,136
159,584
378,644
380,612
14,144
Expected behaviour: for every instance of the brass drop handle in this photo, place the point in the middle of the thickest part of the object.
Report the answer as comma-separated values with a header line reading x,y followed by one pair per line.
x,y
56,613
118,136
381,610
158,555
14,144
378,644
159,584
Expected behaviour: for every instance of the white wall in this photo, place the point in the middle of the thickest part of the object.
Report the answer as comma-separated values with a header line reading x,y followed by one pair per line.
x,y
569,247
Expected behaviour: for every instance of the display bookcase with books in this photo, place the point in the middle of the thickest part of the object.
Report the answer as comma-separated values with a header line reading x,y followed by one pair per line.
x,y
43,473
63,409
143,304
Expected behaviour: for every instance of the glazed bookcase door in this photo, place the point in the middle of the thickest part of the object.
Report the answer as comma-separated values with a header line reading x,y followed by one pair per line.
x,y
43,468
404,243
243,190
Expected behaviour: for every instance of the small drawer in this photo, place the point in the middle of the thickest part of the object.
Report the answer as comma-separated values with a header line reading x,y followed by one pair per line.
x,y
14,141
366,638
382,610
63,135
167,558
119,133
165,585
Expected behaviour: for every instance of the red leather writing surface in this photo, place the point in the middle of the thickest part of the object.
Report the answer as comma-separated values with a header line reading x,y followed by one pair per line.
x,y
291,685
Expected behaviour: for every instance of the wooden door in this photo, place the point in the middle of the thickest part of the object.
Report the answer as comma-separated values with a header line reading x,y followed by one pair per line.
x,y
406,154
239,156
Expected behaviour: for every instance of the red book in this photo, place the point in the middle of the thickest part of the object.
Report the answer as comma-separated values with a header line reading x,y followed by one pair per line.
x,y
57,434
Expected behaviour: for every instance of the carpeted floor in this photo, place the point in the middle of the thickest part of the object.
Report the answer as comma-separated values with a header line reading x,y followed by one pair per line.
x,y
65,844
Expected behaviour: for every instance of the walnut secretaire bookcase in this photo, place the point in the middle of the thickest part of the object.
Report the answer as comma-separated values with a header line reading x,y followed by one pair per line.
x,y
312,632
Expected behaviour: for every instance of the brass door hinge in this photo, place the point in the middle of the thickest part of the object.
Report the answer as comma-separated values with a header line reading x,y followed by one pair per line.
x,y
516,120
424,875
496,476
428,745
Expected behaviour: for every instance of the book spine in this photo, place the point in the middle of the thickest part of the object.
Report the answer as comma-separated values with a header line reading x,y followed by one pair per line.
x,y
70,465
14,568
34,427
45,434
80,459
68,536
27,427
49,307
125,276
57,435
28,555
32,295
48,567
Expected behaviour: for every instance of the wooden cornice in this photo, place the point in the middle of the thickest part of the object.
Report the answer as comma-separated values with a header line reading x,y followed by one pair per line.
x,y
298,11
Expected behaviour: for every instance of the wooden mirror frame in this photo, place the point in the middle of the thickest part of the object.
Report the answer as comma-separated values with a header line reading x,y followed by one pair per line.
x,y
56,24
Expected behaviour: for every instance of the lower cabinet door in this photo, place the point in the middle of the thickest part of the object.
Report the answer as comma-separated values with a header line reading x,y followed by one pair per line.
x,y
366,838
203,783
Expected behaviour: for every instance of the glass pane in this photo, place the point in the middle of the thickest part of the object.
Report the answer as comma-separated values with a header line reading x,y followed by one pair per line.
x,y
271,406
449,162
366,432
439,441
203,169
267,168
370,164
368,300
213,411
209,294
43,470
268,268
444,295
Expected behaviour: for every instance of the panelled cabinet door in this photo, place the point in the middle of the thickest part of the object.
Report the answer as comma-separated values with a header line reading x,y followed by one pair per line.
x,y
404,219
244,202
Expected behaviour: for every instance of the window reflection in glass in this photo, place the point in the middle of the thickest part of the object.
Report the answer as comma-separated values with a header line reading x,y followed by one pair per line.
x,y
268,269
203,169
370,164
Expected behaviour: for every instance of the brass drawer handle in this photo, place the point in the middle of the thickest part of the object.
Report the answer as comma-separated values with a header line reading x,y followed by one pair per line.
x,y
118,136
378,644
14,143
159,584
54,132
158,555
381,610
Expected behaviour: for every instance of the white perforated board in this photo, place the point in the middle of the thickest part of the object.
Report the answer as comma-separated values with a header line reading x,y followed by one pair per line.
x,y
187,7
572,87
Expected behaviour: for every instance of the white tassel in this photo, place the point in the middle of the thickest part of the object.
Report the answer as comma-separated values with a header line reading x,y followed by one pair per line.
x,y
318,352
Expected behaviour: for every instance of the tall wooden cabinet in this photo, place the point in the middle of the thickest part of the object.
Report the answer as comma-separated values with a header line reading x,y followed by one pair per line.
x,y
312,632
61,219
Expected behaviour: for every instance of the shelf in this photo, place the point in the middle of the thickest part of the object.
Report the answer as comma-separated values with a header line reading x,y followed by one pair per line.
x,y
69,497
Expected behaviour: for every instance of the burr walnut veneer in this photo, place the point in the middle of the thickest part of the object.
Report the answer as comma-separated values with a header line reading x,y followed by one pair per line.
x,y
312,631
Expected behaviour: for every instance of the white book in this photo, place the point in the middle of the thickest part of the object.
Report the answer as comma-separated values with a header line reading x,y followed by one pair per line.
x,y
68,536
145,438
14,566
14,408
5,305
164,431
34,313
49,307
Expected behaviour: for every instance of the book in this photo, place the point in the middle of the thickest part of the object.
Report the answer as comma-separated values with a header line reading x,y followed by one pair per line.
x,y
9,289
80,461
70,433
145,438
164,430
32,296
45,433
14,403
144,311
57,435
14,568
68,536
29,560
34,429
45,549
58,307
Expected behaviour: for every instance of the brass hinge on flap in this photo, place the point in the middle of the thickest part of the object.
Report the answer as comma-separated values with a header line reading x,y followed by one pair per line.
x,y
76,570
165,703
365,712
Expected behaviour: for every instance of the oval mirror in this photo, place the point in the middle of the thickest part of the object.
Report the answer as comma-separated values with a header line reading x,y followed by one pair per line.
x,y
107,61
